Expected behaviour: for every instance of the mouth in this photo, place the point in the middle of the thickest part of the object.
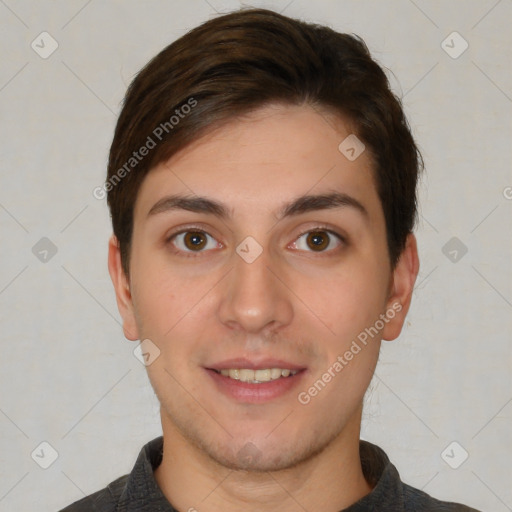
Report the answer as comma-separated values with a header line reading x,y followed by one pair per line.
x,y
256,376
250,382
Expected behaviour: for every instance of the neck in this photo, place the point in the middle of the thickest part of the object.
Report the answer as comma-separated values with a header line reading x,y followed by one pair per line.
x,y
330,481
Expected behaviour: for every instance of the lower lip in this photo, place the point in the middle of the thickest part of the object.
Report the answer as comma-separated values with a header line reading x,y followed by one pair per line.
x,y
255,393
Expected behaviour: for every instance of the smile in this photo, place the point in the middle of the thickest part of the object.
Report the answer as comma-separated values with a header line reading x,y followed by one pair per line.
x,y
256,376
256,386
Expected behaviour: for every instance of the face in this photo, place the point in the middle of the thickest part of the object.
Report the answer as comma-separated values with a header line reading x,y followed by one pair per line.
x,y
258,280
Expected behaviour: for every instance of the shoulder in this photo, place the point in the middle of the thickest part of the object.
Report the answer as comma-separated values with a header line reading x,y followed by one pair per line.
x,y
105,500
390,492
419,501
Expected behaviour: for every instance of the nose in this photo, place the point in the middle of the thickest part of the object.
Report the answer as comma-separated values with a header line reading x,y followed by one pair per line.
x,y
255,297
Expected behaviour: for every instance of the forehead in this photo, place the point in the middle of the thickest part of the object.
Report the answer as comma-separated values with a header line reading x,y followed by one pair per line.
x,y
263,159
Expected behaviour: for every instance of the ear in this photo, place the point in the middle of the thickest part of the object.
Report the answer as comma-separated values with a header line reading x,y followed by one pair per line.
x,y
122,288
401,288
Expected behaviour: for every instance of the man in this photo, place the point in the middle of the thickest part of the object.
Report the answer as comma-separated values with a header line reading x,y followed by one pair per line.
x,y
262,186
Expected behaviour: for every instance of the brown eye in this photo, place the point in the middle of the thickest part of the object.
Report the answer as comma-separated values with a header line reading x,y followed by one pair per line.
x,y
194,240
318,240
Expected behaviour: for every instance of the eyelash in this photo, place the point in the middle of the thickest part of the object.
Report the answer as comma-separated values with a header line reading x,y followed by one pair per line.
x,y
195,254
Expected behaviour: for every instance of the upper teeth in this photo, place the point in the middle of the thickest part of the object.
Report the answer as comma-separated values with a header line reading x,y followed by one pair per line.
x,y
256,376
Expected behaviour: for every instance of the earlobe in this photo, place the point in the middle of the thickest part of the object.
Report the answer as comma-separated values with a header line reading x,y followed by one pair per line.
x,y
401,289
122,290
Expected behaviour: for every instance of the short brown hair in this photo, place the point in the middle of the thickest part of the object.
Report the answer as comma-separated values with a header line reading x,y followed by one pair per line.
x,y
238,62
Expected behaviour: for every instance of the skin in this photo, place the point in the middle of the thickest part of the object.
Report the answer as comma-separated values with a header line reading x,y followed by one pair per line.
x,y
293,303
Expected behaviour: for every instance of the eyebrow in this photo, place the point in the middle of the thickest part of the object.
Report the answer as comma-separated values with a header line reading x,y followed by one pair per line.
x,y
300,205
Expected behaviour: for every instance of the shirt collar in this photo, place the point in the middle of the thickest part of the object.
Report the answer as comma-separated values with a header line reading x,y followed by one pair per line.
x,y
141,492
381,474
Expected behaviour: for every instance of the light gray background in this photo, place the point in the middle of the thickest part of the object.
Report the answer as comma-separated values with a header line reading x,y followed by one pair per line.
x,y
68,376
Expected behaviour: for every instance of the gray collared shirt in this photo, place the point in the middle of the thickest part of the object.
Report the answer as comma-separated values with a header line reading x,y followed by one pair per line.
x,y
139,492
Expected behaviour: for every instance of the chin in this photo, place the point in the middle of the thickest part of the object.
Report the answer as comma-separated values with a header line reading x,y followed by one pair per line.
x,y
250,458
261,455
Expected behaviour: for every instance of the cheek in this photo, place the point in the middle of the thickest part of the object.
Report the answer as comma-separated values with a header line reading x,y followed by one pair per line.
x,y
171,307
351,349
158,292
347,301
